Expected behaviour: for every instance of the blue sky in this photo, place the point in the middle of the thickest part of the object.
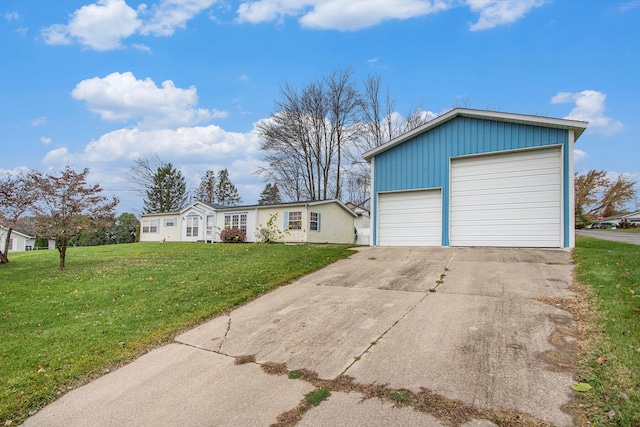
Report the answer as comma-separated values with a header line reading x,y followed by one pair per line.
x,y
94,84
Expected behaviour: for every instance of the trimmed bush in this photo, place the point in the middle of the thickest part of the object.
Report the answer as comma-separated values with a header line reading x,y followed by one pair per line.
x,y
233,235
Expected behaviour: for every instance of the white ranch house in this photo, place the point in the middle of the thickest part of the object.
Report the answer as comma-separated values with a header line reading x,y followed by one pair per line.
x,y
328,221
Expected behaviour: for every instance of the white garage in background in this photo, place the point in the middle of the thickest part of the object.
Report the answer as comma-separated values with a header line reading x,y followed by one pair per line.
x,y
508,200
410,218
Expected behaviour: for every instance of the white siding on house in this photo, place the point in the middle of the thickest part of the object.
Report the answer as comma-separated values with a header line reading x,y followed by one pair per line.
x,y
511,200
335,224
410,218
236,215
160,227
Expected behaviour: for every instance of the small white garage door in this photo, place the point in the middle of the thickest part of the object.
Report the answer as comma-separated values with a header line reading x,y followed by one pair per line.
x,y
510,200
410,218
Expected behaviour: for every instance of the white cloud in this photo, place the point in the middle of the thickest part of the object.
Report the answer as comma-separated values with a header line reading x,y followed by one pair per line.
x,y
105,24
58,157
45,141
122,97
579,155
192,150
500,12
171,14
336,14
39,121
14,172
56,34
358,14
141,47
614,176
208,143
100,26
590,106
11,16
629,5
364,13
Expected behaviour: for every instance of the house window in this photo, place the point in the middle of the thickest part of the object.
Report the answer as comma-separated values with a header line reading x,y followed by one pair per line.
x,y
295,220
192,225
170,222
150,225
237,220
314,221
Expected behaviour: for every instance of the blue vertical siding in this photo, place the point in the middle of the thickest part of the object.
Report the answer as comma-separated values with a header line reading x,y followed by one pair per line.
x,y
424,161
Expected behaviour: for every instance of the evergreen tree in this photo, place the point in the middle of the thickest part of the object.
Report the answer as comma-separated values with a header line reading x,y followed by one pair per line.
x,y
168,192
207,189
270,195
123,228
226,192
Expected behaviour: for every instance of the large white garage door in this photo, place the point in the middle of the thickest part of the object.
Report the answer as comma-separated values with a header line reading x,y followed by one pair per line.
x,y
511,200
410,218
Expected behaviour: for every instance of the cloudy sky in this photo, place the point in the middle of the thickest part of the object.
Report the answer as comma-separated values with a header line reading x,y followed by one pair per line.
x,y
97,84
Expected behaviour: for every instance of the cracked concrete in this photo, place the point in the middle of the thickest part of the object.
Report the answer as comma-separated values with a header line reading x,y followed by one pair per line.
x,y
462,323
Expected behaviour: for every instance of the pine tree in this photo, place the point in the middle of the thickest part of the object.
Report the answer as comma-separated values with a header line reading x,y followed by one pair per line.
x,y
207,189
270,195
226,192
168,192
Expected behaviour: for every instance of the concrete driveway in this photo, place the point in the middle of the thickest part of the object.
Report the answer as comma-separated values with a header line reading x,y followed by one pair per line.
x,y
401,336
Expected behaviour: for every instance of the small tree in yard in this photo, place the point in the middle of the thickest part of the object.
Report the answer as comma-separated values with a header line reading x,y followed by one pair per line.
x,y
66,205
16,197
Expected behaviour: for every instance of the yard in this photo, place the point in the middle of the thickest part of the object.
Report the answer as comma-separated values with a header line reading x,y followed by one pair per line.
x,y
62,328
112,303
609,273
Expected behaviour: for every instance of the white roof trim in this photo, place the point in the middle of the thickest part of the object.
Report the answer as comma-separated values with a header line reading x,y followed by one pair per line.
x,y
575,125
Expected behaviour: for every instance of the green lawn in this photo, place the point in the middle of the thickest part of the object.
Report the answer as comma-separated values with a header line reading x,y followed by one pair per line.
x,y
61,328
610,272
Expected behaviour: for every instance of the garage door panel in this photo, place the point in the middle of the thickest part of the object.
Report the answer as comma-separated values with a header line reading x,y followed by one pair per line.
x,y
410,218
530,200
511,199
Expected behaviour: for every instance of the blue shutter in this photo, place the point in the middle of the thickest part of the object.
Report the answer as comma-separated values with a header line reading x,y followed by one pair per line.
x,y
158,226
318,222
286,220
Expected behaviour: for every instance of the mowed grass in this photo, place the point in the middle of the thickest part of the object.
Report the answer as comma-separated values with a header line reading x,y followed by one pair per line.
x,y
611,362
112,303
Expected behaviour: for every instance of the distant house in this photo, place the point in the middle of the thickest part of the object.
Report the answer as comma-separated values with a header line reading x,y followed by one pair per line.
x,y
327,221
21,240
631,218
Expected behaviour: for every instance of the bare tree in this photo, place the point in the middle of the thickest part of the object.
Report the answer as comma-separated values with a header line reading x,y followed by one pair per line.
x,y
66,205
344,102
306,137
597,194
380,123
16,198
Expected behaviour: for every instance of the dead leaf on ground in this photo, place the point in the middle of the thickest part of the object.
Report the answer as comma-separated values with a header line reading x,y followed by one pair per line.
x,y
601,360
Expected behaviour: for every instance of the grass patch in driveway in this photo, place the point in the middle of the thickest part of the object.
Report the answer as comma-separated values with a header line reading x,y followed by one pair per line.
x,y
112,303
610,273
